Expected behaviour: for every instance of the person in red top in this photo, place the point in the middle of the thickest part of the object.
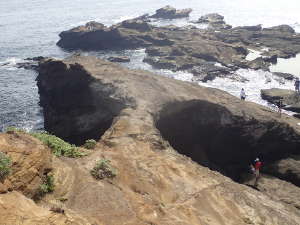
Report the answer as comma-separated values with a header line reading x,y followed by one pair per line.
x,y
257,166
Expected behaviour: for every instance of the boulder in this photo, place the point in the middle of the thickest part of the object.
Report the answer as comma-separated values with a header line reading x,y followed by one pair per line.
x,y
209,72
281,28
215,21
286,76
169,12
290,99
119,59
211,18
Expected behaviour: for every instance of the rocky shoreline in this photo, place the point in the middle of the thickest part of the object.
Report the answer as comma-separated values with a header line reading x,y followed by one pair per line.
x,y
190,48
179,152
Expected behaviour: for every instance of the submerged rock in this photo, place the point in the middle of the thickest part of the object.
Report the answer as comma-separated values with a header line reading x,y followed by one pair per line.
x,y
119,59
215,21
169,12
286,76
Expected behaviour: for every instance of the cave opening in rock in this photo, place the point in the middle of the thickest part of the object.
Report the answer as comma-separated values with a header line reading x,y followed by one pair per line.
x,y
76,106
212,136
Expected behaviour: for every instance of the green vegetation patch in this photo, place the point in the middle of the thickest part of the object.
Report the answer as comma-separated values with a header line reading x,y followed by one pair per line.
x,y
48,184
5,165
90,144
46,187
103,169
14,129
59,147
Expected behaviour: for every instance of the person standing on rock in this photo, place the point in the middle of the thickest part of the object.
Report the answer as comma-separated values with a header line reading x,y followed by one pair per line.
x,y
243,94
257,166
296,84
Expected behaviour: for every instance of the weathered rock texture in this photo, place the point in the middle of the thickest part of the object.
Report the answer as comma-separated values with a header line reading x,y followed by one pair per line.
x,y
169,12
31,162
155,184
188,48
290,99
215,21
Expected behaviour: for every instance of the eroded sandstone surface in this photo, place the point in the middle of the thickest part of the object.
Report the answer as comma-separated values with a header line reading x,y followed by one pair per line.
x,y
147,125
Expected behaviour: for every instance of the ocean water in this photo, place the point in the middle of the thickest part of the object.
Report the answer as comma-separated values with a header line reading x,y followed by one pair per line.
x,y
30,28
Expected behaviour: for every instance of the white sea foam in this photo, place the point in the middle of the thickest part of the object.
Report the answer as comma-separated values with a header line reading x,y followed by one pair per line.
x,y
127,17
253,54
291,65
12,61
256,80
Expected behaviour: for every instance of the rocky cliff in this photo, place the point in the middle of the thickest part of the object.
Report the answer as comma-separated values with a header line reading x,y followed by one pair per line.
x,y
164,136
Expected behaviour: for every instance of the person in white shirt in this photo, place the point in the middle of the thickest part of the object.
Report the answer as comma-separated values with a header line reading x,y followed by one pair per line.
x,y
243,94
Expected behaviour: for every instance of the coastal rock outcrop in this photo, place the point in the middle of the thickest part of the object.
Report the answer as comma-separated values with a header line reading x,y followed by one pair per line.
x,y
31,161
186,48
215,21
290,99
169,12
119,59
155,184
90,118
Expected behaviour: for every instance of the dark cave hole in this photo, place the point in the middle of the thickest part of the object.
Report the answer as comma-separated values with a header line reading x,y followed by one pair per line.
x,y
210,135
77,107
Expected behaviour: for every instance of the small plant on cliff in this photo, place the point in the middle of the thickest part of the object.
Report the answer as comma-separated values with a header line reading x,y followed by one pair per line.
x,y
5,164
46,187
14,129
59,147
90,144
103,169
48,184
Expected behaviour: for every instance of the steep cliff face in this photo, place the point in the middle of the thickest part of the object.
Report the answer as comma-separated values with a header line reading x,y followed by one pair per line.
x,y
151,116
31,161
72,108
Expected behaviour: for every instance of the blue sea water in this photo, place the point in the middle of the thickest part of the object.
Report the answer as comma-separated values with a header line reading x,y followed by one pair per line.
x,y
30,28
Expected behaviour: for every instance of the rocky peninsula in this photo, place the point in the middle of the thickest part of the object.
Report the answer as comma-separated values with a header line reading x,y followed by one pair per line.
x,y
155,150
170,142
190,48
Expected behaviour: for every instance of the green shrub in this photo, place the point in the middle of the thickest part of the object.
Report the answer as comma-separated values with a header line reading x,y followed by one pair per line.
x,y
48,185
103,169
90,144
5,164
12,129
58,146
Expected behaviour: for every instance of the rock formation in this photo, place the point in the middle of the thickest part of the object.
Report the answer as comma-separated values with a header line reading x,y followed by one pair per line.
x,y
142,118
31,161
119,59
215,21
290,99
188,48
169,12
150,127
